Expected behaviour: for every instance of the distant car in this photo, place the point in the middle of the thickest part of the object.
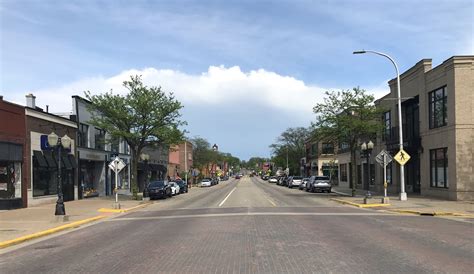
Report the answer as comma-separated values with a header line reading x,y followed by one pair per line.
x,y
183,187
174,188
318,183
158,189
206,182
295,181
303,183
214,181
237,176
265,177
273,180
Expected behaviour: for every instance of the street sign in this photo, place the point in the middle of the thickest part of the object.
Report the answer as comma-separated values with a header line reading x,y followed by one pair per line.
x,y
402,157
380,158
117,165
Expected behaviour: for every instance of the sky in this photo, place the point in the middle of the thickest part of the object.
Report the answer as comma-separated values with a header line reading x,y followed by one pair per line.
x,y
244,70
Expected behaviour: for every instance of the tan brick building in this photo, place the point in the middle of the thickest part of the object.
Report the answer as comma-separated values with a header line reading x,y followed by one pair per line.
x,y
438,129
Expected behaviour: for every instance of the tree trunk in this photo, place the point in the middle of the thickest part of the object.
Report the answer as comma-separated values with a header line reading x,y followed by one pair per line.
x,y
134,182
353,169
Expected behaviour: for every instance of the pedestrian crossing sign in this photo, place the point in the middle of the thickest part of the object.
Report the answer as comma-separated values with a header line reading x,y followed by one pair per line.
x,y
402,157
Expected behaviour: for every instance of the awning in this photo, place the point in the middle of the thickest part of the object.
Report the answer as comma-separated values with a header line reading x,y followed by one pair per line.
x,y
40,158
11,152
49,158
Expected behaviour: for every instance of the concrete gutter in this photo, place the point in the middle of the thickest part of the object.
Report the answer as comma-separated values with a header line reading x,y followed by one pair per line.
x,y
49,231
358,205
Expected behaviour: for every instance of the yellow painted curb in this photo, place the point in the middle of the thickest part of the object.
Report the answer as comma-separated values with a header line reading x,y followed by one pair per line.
x,y
111,210
48,232
434,213
358,205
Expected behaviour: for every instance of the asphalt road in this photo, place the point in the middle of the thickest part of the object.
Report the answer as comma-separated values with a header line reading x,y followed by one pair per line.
x,y
251,226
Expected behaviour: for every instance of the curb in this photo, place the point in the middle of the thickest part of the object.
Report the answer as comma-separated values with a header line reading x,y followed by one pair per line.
x,y
111,210
434,213
48,231
358,205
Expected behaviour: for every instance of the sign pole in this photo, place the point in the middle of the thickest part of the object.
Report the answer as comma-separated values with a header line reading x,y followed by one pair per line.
x,y
385,175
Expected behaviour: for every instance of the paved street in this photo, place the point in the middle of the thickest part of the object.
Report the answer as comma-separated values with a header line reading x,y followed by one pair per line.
x,y
251,226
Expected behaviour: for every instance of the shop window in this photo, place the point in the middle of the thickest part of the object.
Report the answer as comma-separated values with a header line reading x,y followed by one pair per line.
x,y
439,167
83,135
99,138
386,119
438,108
328,148
343,169
10,179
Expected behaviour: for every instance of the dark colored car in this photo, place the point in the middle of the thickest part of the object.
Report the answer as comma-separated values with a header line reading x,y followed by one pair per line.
x,y
237,176
158,189
183,187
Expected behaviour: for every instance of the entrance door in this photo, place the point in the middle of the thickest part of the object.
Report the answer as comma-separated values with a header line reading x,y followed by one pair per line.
x,y
412,174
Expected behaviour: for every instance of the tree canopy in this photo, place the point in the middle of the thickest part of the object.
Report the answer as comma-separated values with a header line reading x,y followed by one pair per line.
x,y
144,117
291,142
347,116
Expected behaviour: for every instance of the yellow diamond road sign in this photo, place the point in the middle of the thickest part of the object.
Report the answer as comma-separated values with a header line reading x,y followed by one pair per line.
x,y
402,157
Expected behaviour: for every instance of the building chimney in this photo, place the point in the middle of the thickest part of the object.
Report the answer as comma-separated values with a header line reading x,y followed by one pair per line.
x,y
30,101
47,108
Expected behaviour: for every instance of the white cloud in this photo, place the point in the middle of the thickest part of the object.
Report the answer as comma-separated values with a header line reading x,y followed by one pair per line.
x,y
218,86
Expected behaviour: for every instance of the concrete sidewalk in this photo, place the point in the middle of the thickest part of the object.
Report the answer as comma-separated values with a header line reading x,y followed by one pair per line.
x,y
27,221
415,204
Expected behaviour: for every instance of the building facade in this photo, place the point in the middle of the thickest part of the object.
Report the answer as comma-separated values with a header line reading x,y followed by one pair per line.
x,y
95,151
321,159
154,168
41,161
180,158
13,183
438,133
438,128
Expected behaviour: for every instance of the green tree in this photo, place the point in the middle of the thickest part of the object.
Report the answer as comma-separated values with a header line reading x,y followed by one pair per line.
x,y
144,117
347,116
290,143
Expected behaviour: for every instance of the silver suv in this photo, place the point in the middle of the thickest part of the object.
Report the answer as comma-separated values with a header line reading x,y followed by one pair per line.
x,y
318,183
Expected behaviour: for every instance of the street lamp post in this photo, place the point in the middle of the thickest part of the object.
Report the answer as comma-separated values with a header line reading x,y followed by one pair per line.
x,y
59,143
367,150
403,194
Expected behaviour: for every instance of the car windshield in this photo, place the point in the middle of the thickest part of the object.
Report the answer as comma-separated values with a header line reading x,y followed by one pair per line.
x,y
157,184
206,180
322,178
297,178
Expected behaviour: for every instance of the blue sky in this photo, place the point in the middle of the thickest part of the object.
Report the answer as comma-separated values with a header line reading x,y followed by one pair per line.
x,y
245,70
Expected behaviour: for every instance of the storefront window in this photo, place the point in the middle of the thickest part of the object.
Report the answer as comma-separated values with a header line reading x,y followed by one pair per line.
x,y
10,179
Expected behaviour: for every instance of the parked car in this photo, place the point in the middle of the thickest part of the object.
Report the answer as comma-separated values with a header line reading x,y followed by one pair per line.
x,y
183,187
237,176
174,188
286,180
303,183
273,180
214,181
206,182
295,181
265,177
158,189
318,183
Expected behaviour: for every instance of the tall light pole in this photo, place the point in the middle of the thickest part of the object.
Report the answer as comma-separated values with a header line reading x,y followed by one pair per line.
x,y
403,194
59,143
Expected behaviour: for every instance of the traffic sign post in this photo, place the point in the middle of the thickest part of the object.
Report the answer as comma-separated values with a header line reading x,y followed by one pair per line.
x,y
384,158
402,157
116,165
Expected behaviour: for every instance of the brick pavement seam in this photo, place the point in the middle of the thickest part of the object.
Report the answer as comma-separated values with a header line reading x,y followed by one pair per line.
x,y
50,231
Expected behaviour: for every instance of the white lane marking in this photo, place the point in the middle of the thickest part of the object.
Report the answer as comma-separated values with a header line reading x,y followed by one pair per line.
x,y
226,197
257,214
